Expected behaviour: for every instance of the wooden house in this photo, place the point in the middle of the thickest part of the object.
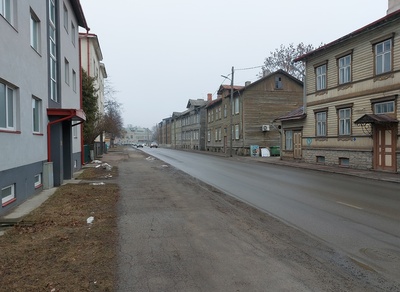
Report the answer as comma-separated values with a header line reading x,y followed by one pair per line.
x,y
352,103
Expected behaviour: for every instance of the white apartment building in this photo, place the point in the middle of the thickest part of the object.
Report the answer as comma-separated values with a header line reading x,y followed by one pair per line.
x,y
40,102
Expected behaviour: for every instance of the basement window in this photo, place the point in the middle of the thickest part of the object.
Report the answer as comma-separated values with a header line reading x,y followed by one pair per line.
x,y
344,161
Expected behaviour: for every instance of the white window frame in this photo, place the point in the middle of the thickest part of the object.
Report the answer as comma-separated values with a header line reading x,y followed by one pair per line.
x,y
289,140
66,71
344,64
320,118
225,111
344,116
6,10
38,180
74,80
383,57
36,115
237,132
384,107
236,105
209,136
7,107
73,33
8,195
320,73
35,32
66,18
53,51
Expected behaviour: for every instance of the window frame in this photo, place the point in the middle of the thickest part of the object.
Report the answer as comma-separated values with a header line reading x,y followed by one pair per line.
x,y
345,69
320,77
289,140
384,54
7,10
38,180
65,17
5,200
344,123
237,132
66,71
321,122
10,108
35,39
36,115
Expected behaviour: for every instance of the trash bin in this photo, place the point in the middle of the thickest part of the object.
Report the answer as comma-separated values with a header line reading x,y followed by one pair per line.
x,y
275,150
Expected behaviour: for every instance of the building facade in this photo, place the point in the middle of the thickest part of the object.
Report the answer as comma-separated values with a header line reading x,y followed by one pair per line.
x,y
40,104
352,105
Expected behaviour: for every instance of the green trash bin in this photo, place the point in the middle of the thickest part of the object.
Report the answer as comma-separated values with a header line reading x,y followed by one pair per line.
x,y
275,150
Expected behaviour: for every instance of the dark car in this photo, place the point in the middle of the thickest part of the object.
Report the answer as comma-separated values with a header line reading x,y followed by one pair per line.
x,y
139,146
153,145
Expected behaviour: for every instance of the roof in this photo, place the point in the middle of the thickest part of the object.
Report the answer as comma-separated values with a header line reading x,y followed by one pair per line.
x,y
365,29
375,119
228,87
280,71
297,114
196,102
214,102
78,11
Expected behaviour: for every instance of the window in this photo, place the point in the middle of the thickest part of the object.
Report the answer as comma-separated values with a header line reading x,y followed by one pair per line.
x,y
38,180
74,80
321,123
321,77
344,161
8,195
7,107
383,57
320,159
278,82
35,32
344,121
236,132
236,105
66,71
209,135
36,115
6,9
216,135
66,22
73,33
384,107
289,140
344,69
75,131
225,110
53,51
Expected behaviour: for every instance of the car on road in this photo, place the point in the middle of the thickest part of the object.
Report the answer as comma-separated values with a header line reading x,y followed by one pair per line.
x,y
139,146
153,145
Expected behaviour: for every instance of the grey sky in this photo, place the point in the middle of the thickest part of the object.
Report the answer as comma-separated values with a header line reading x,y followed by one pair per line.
x,y
158,54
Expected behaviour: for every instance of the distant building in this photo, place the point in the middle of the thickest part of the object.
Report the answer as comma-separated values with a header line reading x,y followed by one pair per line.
x,y
134,135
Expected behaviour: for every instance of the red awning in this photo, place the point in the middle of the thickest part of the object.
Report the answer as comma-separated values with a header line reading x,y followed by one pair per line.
x,y
75,114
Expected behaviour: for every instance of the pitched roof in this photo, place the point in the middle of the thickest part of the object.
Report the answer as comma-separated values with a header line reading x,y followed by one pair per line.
x,y
297,114
365,29
280,71
196,102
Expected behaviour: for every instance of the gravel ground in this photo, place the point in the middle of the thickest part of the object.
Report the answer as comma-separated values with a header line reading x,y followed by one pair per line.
x,y
179,234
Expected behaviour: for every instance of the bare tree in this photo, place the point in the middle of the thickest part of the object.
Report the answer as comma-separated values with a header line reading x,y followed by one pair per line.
x,y
112,122
283,57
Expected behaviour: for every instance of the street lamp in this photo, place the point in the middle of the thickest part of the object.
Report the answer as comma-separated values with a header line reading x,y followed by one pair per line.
x,y
231,101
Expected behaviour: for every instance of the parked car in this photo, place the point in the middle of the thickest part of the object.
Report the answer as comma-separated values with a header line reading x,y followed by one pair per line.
x,y
153,145
139,146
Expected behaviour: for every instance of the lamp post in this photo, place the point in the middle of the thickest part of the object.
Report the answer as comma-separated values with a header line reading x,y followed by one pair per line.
x,y
231,101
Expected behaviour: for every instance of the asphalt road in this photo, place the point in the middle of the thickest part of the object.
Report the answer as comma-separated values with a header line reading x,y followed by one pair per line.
x,y
357,216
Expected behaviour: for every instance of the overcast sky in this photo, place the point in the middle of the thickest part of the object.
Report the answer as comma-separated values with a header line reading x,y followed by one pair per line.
x,y
160,53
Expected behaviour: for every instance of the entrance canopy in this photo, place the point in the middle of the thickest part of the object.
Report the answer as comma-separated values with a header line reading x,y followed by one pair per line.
x,y
375,119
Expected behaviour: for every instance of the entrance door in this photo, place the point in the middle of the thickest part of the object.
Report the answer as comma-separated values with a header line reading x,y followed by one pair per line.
x,y
384,148
297,145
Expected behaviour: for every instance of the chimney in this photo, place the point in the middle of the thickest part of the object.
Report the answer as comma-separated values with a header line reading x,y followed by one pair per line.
x,y
209,96
393,6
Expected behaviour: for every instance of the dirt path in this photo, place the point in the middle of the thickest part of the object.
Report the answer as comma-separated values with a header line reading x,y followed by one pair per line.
x,y
178,234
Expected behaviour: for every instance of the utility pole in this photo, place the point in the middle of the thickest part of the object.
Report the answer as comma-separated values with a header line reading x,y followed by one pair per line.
x,y
232,111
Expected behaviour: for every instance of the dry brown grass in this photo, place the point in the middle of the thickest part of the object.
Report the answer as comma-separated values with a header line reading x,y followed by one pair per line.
x,y
60,251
